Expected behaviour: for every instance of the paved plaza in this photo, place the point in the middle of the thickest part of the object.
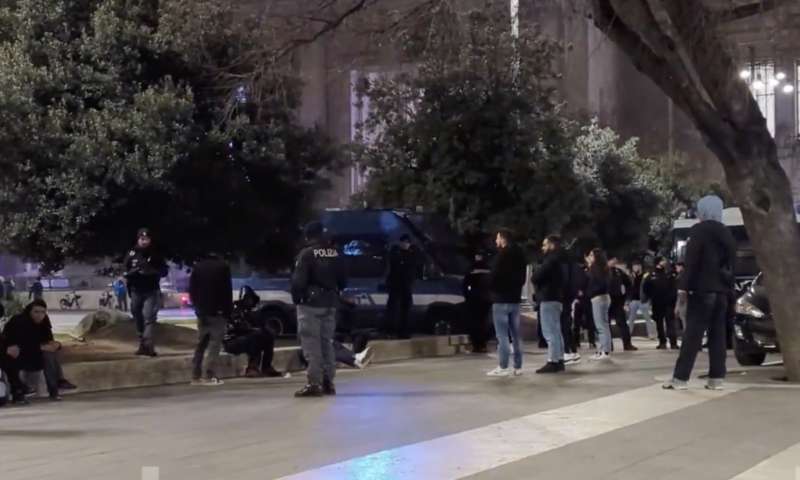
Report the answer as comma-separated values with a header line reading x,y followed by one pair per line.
x,y
422,419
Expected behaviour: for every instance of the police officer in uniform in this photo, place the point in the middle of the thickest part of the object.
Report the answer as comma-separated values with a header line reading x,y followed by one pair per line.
x,y
317,280
144,268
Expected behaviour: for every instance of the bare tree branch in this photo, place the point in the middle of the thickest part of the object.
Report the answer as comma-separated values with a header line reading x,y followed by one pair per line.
x,y
750,10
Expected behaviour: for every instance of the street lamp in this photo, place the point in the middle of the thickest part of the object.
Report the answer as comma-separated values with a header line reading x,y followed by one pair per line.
x,y
788,88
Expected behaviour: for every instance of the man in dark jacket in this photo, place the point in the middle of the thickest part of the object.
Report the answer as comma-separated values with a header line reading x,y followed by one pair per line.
x,y
550,283
619,284
10,366
478,297
507,279
317,282
36,292
144,268
662,289
30,346
707,283
636,303
403,266
211,291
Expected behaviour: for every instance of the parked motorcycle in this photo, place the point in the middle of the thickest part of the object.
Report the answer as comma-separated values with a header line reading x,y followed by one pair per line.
x,y
69,301
106,299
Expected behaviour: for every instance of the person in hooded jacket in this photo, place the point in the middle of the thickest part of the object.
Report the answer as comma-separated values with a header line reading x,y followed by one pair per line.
x,y
707,284
478,298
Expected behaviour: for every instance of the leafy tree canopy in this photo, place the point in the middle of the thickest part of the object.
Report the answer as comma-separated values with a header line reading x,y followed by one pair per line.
x,y
119,114
477,135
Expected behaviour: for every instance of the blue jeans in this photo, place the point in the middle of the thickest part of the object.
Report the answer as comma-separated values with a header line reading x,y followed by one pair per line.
x,y
144,309
600,306
506,322
550,313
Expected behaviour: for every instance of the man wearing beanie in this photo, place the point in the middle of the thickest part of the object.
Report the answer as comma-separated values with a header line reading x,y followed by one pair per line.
x,y
144,268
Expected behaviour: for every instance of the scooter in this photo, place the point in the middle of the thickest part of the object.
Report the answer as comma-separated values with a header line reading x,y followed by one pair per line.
x,y
69,301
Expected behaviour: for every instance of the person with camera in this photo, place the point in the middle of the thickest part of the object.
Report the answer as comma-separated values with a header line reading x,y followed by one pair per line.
x,y
317,281
144,267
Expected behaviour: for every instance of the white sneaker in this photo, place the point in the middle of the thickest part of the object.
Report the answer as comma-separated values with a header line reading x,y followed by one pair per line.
x,y
600,356
364,358
517,372
572,358
499,372
213,382
675,385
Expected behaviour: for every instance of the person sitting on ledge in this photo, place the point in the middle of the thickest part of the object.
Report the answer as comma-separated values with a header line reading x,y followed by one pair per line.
x,y
30,346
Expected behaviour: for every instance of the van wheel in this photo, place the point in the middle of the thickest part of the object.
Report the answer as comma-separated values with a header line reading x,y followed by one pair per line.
x,y
275,320
748,359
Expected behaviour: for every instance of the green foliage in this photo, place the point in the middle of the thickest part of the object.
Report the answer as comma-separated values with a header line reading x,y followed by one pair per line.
x,y
116,114
471,133
626,191
476,136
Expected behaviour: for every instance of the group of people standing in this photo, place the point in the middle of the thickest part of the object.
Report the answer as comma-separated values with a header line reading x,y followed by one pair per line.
x,y
572,297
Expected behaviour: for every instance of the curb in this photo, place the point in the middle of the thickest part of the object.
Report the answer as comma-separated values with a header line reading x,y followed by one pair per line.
x,y
170,370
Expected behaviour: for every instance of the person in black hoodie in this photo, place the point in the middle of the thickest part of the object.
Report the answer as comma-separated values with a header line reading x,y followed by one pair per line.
x,y
550,283
144,268
478,297
211,291
403,268
30,347
662,288
619,285
507,279
707,284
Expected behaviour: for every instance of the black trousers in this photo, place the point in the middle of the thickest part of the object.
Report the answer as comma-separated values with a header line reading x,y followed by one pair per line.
x,y
259,347
664,317
478,318
10,367
568,328
617,313
399,308
705,313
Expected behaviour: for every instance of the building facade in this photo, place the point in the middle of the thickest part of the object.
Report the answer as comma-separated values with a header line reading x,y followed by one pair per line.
x,y
597,80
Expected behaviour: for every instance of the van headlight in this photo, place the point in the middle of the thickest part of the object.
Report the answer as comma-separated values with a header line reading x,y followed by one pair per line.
x,y
743,307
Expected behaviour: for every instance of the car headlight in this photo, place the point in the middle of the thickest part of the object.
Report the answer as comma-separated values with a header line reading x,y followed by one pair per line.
x,y
747,309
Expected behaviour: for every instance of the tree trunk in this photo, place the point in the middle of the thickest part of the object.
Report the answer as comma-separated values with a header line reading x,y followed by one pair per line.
x,y
765,198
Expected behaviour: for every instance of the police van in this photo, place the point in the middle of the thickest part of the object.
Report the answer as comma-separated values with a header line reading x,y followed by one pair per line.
x,y
364,238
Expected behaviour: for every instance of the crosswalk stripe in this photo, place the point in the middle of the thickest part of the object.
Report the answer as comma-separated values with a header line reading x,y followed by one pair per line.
x,y
783,466
485,448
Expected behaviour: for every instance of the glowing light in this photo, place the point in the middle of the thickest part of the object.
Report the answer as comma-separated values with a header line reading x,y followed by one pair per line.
x,y
744,74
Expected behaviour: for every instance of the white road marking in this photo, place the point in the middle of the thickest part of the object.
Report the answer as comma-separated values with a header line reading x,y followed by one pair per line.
x,y
474,451
777,467
150,473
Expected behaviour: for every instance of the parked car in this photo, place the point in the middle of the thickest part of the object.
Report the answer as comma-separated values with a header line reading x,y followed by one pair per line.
x,y
754,329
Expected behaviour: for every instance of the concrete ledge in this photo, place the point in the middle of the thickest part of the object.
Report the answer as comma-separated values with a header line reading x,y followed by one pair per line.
x,y
177,369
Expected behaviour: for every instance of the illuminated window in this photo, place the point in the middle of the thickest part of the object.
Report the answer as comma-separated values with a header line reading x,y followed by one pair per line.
x,y
762,85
